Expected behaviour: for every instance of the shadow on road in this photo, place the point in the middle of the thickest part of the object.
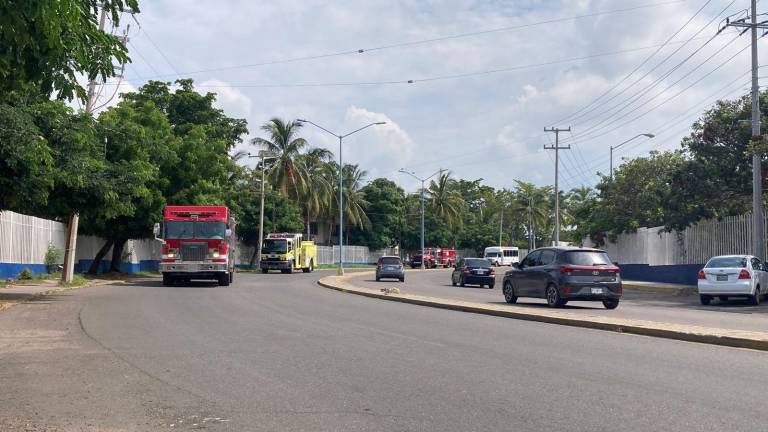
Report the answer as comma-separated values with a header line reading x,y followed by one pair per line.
x,y
159,284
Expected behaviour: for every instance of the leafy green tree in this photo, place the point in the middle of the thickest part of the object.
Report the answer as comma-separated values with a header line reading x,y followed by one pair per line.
x,y
46,44
385,207
315,191
26,164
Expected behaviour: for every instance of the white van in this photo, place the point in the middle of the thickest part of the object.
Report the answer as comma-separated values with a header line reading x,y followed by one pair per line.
x,y
504,255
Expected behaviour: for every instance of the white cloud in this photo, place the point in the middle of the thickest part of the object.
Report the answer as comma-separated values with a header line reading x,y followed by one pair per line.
x,y
233,101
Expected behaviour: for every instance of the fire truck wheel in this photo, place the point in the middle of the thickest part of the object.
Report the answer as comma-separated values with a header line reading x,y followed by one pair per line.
x,y
167,280
224,279
231,277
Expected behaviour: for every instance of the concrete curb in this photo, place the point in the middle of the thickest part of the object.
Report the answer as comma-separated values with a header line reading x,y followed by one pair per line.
x,y
707,335
656,289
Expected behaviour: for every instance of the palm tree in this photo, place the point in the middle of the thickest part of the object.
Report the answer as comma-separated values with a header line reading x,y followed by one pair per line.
x,y
445,201
354,198
284,143
315,192
535,203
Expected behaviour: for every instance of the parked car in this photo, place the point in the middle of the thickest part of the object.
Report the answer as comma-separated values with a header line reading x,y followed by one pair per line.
x,y
390,267
473,271
729,276
561,274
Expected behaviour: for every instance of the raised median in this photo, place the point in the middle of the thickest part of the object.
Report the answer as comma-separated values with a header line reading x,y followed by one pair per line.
x,y
691,333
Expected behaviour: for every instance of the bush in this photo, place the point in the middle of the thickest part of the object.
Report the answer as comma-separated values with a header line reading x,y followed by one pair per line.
x,y
52,256
26,274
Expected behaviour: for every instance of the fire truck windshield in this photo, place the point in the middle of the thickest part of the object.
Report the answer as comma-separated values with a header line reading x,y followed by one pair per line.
x,y
196,230
275,246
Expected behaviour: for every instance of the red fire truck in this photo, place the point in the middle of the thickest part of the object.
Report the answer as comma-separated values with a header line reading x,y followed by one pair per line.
x,y
435,257
198,242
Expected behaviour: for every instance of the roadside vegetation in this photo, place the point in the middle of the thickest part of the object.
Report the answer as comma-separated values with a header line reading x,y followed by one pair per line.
x,y
167,143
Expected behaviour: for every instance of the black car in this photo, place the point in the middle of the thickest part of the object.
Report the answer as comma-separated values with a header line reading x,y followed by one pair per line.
x,y
560,274
473,271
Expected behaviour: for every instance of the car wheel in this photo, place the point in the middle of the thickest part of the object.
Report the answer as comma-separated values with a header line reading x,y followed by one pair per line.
x,y
265,271
553,297
755,299
509,293
611,303
490,286
231,277
378,279
705,299
402,279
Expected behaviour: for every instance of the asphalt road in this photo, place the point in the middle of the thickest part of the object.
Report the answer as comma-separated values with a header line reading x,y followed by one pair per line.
x,y
671,308
277,352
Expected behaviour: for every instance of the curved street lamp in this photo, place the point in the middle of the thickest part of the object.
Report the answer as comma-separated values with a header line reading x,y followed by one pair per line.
x,y
341,184
649,135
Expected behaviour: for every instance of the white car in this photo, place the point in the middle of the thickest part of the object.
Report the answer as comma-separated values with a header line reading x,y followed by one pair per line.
x,y
728,276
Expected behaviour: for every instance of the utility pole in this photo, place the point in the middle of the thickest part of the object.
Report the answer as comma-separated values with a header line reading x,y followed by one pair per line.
x,y
758,232
68,271
501,225
557,149
263,156
422,180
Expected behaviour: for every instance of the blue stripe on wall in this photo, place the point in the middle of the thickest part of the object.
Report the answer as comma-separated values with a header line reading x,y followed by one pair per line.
x,y
11,270
685,274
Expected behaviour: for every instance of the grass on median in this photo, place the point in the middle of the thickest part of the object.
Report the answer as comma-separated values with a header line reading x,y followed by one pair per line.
x,y
77,281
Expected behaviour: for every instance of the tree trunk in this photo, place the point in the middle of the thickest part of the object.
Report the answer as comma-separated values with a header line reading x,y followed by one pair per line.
x,y
253,257
117,255
96,263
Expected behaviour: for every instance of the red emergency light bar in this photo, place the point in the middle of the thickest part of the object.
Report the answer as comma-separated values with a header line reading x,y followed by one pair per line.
x,y
196,212
281,235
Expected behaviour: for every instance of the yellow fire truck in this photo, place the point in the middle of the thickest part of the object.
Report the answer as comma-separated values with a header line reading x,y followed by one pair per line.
x,y
287,252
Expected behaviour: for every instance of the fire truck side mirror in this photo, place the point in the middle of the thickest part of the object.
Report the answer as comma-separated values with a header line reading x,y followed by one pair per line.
x,y
228,233
156,231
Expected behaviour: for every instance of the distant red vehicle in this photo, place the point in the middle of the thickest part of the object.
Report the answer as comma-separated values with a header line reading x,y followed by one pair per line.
x,y
435,257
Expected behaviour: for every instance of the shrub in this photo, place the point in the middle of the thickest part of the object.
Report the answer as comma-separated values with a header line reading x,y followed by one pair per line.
x,y
26,274
52,255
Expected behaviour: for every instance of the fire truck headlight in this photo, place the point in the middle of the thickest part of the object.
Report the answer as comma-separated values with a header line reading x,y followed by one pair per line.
x,y
215,254
171,255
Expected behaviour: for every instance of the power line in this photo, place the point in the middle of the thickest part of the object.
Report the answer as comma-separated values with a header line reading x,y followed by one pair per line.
x,y
426,79
637,95
647,59
422,41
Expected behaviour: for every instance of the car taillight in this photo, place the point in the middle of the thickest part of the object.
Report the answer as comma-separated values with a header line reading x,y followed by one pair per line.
x,y
744,274
465,270
564,269
702,276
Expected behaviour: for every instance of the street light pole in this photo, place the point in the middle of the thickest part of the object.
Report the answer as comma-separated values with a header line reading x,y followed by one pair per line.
x,y
263,156
341,184
649,135
422,180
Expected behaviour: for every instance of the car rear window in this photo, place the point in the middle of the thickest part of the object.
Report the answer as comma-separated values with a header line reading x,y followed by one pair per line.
x,y
476,262
726,262
389,261
586,258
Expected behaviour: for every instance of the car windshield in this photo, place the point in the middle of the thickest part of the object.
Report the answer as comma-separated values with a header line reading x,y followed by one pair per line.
x,y
477,262
275,246
727,262
389,261
586,258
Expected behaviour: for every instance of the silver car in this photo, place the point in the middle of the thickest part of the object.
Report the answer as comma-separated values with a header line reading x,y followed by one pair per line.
x,y
390,267
729,276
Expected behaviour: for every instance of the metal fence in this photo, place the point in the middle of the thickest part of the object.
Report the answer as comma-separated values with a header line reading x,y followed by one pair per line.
x,y
24,239
694,245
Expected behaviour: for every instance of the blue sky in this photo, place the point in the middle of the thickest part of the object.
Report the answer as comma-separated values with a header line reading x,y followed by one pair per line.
x,y
486,126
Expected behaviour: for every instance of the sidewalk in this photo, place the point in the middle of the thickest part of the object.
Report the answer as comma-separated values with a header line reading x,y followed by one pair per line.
x,y
659,287
14,294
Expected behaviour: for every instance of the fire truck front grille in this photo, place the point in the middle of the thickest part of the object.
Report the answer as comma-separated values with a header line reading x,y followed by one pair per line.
x,y
193,251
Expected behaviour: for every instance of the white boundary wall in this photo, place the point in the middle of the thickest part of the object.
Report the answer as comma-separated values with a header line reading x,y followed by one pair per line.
x,y
24,239
694,245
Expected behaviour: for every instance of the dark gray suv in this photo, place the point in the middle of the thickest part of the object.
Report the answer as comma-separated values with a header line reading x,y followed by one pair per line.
x,y
560,274
390,267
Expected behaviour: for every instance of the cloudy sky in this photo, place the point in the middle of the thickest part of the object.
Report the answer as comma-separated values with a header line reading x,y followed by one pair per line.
x,y
488,76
